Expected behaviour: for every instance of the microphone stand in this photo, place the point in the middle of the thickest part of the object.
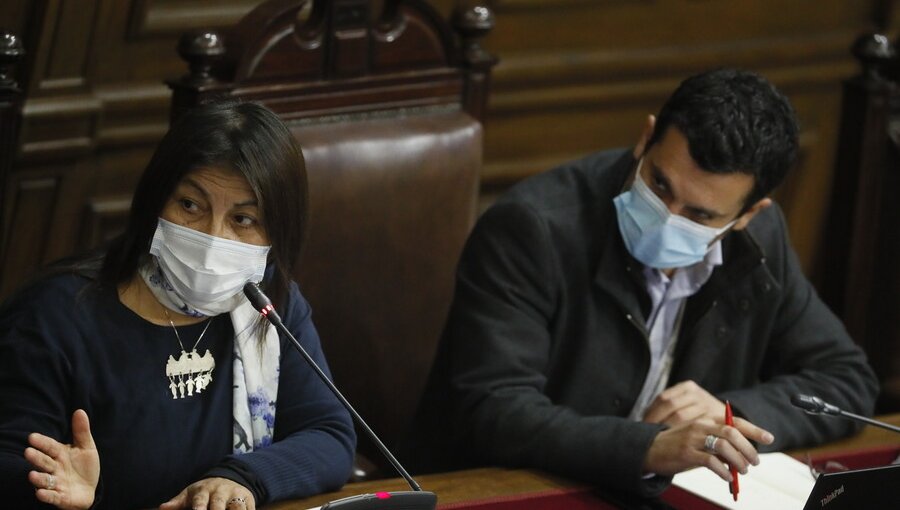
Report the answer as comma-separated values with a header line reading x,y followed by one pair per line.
x,y
817,406
870,421
417,499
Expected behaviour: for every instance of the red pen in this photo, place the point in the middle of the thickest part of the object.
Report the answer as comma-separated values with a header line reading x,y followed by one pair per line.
x,y
733,485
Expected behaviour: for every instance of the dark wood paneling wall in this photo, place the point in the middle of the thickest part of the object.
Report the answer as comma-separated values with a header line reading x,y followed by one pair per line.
x,y
574,76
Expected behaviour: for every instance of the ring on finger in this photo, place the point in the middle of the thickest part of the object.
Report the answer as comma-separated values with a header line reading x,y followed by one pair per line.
x,y
710,443
51,482
236,500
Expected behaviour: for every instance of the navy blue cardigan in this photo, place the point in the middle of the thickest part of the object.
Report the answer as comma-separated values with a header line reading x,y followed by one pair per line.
x,y
66,344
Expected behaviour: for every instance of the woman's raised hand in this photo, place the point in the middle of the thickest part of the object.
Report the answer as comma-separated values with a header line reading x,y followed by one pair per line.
x,y
65,475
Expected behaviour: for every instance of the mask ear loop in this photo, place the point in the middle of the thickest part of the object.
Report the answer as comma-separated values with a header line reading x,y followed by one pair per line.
x,y
723,233
634,174
640,188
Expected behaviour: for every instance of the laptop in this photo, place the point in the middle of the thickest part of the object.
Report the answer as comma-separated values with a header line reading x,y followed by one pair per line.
x,y
858,489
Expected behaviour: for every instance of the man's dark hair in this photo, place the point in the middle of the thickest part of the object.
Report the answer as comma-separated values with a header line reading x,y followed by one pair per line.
x,y
734,121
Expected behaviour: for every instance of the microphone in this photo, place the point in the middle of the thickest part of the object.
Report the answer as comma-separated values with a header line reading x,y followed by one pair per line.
x,y
815,405
417,499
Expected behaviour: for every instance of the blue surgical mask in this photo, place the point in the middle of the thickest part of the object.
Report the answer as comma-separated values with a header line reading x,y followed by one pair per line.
x,y
655,236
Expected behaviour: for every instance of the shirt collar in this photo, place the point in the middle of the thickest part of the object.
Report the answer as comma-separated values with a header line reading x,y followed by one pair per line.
x,y
685,281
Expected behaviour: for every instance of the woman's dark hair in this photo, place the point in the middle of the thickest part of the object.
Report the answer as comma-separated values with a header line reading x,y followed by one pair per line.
x,y
244,137
734,121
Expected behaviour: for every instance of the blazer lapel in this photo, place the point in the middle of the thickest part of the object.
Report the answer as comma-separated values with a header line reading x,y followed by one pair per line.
x,y
622,277
708,324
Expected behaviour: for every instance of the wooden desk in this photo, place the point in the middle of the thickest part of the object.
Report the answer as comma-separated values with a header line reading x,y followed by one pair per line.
x,y
869,437
493,483
452,487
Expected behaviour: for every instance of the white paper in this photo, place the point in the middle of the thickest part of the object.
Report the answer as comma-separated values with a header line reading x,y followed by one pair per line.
x,y
778,482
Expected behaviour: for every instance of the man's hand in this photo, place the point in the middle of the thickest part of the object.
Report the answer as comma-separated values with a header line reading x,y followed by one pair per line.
x,y
687,402
214,494
684,402
683,447
692,414
65,475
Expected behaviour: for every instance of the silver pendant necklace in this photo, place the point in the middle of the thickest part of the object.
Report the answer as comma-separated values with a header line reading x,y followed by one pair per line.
x,y
191,373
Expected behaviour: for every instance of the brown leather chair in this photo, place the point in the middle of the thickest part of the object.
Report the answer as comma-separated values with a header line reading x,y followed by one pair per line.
x,y
386,107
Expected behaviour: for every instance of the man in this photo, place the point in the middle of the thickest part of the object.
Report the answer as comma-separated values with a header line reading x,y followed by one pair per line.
x,y
607,309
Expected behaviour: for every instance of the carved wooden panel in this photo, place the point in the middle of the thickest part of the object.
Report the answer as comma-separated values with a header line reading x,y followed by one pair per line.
x,y
172,17
67,36
32,203
58,127
104,219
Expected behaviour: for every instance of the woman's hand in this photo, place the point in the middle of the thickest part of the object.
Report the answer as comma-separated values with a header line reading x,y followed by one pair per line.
x,y
65,475
212,494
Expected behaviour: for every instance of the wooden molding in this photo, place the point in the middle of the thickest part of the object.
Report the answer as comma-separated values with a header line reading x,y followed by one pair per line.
x,y
104,218
64,67
33,202
151,18
58,127
536,5
525,69
588,101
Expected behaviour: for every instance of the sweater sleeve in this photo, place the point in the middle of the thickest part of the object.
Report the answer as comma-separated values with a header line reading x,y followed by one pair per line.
x,y
35,379
809,352
314,438
499,333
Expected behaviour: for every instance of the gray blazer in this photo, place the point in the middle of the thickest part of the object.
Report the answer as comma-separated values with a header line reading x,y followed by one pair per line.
x,y
545,350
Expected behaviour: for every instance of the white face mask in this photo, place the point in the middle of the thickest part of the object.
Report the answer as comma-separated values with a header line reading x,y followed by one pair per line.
x,y
206,273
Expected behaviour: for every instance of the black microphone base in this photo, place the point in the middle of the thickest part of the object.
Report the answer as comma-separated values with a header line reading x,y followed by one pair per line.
x,y
400,500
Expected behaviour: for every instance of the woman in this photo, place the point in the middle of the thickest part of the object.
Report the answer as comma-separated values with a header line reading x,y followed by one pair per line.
x,y
143,377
